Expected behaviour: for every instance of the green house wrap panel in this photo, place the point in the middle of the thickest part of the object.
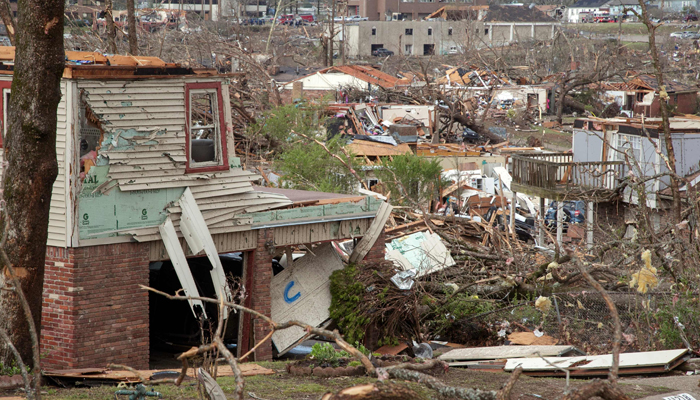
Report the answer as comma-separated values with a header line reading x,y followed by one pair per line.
x,y
102,215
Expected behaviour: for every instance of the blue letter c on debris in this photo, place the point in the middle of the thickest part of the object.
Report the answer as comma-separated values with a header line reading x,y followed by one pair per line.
x,y
292,299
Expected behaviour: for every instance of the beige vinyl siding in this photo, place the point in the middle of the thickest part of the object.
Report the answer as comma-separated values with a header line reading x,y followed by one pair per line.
x,y
158,161
58,224
57,212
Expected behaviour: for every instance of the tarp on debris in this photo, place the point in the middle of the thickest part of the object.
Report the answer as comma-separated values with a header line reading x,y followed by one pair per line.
x,y
630,363
302,292
421,251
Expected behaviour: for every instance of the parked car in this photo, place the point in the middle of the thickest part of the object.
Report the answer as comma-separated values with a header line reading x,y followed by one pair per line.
x,y
524,226
469,136
574,213
690,17
382,52
338,19
680,34
356,18
692,35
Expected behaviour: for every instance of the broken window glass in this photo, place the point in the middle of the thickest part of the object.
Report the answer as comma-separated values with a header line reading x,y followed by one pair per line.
x,y
204,127
90,138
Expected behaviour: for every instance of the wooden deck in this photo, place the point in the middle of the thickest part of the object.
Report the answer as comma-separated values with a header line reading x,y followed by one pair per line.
x,y
556,176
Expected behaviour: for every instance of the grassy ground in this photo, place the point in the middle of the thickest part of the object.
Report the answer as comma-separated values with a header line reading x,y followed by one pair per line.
x,y
551,139
627,28
283,386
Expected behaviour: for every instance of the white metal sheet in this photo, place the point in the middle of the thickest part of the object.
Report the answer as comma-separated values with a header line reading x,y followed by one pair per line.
x,y
503,352
198,237
627,360
303,293
182,268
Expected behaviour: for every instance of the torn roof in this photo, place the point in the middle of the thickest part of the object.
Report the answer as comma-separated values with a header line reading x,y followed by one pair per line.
x,y
459,12
492,13
83,63
516,14
367,74
645,83
364,148
363,73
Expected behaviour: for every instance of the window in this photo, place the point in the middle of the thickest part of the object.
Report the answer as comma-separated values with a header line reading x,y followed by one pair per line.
x,y
408,49
374,31
449,32
430,31
486,31
631,145
409,32
206,140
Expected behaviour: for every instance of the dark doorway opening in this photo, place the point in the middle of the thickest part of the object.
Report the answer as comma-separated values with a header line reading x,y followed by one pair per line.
x,y
428,49
173,325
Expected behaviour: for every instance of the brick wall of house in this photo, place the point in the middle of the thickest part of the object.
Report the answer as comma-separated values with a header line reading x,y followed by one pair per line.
x,y
260,293
58,317
376,253
94,311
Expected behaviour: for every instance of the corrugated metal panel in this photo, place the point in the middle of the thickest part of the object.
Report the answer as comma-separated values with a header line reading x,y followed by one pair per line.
x,y
150,115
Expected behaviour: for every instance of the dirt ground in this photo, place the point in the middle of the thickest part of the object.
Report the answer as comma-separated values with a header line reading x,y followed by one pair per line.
x,y
283,386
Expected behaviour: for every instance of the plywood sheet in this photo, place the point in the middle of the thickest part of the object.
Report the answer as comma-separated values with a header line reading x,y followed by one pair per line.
x,y
303,293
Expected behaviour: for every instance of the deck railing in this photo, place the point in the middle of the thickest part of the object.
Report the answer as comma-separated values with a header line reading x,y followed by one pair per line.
x,y
558,171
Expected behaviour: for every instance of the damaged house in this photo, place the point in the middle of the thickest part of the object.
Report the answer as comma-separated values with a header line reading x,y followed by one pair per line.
x,y
606,152
150,192
641,96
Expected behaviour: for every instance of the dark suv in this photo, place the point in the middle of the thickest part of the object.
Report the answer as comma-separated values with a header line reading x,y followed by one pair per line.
x,y
690,17
524,226
382,52
574,213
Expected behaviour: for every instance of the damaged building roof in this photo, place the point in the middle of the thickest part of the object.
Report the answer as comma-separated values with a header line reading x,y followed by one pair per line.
x,y
94,64
492,13
515,14
645,83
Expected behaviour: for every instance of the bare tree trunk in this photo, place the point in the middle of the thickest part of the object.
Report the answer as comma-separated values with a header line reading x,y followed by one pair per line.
x,y
131,16
30,154
111,30
560,103
8,20
332,34
663,107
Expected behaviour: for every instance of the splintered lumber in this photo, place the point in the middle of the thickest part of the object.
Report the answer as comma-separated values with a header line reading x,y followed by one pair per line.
x,y
405,226
375,391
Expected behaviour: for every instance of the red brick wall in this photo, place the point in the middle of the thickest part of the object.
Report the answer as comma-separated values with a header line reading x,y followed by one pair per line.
x,y
258,276
686,103
94,311
58,331
376,253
